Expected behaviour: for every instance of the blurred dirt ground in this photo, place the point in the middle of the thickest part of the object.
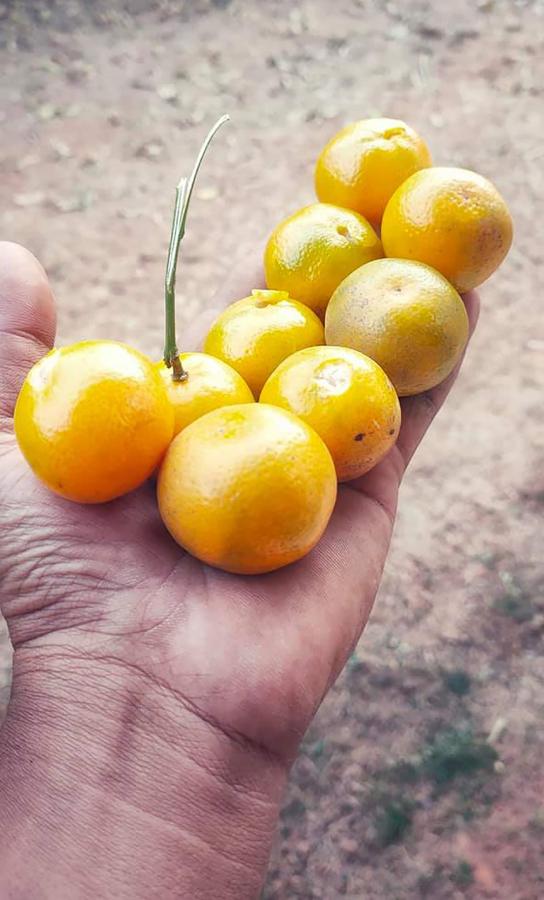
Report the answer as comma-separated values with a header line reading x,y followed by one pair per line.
x,y
422,775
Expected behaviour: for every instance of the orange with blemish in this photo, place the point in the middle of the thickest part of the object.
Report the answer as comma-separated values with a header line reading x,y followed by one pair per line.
x,y
346,397
405,316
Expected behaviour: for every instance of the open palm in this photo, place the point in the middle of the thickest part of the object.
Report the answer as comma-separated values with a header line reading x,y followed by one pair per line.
x,y
250,656
169,697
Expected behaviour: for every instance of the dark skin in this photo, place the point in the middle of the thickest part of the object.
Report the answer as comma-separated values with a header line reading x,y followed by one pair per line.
x,y
157,703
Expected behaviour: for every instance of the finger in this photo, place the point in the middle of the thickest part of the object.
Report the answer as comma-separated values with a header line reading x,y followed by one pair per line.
x,y
419,411
27,320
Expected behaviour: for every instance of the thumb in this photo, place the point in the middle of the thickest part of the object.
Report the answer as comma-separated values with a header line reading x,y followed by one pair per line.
x,y
27,320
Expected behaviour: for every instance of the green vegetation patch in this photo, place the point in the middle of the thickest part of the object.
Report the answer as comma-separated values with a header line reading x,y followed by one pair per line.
x,y
455,752
463,874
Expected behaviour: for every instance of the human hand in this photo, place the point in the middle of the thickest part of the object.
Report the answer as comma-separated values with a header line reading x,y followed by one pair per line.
x,y
157,703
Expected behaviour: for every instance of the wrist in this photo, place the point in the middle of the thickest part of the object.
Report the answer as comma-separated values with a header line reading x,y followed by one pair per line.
x,y
117,787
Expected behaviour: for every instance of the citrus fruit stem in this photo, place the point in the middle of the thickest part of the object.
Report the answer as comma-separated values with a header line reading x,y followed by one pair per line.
x,y
171,352
184,191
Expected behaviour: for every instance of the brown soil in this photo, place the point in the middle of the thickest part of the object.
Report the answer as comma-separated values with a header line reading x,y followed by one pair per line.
x,y
422,775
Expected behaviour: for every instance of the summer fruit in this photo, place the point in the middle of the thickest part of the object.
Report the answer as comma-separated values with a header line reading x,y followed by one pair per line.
x,y
363,165
250,487
255,334
405,316
312,251
451,219
247,488
346,397
93,420
209,384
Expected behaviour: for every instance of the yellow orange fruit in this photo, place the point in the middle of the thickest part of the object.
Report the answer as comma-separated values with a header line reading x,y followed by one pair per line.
x,y
255,334
346,397
312,251
405,316
210,384
452,219
93,420
363,165
247,488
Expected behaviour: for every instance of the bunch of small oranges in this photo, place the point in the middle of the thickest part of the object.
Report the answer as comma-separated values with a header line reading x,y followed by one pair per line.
x,y
349,321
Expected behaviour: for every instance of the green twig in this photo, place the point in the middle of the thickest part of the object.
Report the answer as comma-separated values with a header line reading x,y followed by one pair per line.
x,y
184,191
